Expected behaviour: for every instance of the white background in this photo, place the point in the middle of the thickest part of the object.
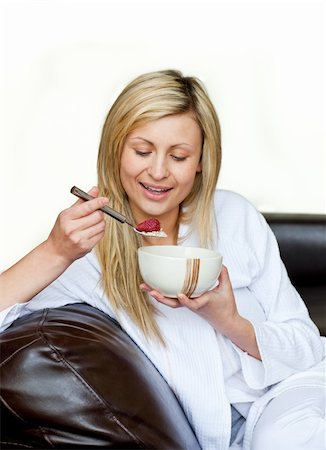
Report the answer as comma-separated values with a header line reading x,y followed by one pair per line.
x,y
64,62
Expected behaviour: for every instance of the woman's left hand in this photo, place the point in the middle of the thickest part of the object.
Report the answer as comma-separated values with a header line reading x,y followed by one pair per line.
x,y
219,308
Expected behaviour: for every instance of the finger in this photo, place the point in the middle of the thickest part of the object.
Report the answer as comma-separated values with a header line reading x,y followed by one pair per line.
x,y
95,239
93,192
174,303
85,240
145,287
93,230
87,246
85,208
191,303
154,293
183,299
85,222
224,276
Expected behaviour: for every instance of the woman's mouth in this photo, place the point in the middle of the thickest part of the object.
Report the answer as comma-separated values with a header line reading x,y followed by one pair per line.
x,y
157,192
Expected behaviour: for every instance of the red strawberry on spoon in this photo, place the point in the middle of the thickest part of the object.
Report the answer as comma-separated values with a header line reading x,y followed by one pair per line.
x,y
149,225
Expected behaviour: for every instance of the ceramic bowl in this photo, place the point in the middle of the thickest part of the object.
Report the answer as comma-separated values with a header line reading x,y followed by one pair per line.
x,y
174,269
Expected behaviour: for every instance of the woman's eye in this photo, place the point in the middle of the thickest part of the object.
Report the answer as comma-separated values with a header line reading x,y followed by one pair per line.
x,y
179,158
142,152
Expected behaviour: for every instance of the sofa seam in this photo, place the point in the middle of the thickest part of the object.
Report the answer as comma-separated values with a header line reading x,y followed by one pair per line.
x,y
42,335
4,362
26,421
29,343
16,443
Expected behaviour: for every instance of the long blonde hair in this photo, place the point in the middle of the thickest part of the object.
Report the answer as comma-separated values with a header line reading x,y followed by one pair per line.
x,y
149,97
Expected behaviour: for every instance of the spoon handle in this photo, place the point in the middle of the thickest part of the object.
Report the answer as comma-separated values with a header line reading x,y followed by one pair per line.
x,y
111,212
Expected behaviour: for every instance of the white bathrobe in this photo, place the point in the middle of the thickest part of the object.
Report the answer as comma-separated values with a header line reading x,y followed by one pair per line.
x,y
206,371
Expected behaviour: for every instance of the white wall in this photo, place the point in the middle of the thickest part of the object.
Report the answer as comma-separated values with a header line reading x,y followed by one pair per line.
x,y
63,63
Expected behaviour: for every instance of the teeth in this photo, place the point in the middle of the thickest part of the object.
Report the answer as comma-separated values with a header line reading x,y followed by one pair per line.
x,y
155,189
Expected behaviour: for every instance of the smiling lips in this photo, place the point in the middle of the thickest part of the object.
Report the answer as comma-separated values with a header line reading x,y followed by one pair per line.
x,y
155,190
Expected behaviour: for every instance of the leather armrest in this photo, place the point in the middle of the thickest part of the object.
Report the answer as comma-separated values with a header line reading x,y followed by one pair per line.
x,y
71,378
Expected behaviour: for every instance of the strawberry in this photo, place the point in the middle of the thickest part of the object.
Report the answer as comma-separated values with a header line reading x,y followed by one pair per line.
x,y
149,225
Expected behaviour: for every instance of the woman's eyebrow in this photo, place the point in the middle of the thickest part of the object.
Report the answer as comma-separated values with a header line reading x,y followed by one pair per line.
x,y
151,143
142,139
182,143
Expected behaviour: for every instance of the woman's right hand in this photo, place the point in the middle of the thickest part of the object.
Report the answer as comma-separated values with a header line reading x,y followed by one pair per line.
x,y
78,228
75,232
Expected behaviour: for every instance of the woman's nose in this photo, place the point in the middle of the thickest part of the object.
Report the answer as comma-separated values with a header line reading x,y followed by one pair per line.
x,y
158,168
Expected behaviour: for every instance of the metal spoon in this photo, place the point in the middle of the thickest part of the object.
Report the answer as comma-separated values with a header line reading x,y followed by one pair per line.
x,y
111,212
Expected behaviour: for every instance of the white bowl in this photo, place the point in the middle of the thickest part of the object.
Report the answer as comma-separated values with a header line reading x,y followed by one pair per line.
x,y
172,269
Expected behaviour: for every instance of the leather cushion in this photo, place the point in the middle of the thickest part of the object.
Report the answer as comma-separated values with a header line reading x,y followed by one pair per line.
x,y
71,378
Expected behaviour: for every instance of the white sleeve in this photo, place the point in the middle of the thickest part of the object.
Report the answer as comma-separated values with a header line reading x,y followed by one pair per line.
x,y
288,340
10,314
76,285
43,300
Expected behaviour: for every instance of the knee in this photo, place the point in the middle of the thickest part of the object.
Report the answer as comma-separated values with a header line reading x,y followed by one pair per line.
x,y
267,436
294,420
283,433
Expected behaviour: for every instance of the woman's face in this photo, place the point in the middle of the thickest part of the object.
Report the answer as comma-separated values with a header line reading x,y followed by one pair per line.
x,y
159,163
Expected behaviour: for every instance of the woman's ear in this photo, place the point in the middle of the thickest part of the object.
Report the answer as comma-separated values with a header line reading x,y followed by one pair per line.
x,y
199,167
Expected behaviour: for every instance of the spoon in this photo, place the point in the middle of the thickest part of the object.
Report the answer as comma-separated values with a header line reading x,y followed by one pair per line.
x,y
116,215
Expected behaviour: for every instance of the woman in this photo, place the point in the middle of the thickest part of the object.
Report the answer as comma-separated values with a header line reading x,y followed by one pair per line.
x,y
246,342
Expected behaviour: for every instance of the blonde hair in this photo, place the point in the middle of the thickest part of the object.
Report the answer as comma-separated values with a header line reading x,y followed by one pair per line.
x,y
149,97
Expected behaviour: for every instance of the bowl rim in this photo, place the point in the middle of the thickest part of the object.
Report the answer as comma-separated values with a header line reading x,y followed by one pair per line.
x,y
213,253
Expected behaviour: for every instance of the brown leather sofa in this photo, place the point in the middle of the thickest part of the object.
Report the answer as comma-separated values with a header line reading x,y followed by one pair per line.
x,y
71,378
302,242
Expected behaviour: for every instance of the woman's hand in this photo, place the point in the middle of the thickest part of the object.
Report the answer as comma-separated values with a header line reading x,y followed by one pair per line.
x,y
76,231
218,307
78,228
